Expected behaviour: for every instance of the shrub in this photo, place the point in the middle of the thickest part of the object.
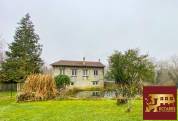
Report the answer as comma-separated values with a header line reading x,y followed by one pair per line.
x,y
62,81
38,87
122,100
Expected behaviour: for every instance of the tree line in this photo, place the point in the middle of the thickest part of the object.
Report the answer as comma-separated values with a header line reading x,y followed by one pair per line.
x,y
125,68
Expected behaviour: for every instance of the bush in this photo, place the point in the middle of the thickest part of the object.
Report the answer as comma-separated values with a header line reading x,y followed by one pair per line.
x,y
122,100
38,87
62,81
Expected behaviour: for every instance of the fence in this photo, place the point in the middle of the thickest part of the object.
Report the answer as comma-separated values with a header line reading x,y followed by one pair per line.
x,y
11,86
8,86
19,86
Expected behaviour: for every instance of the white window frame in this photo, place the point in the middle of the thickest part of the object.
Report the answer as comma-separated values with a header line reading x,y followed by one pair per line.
x,y
62,71
95,82
74,72
85,72
95,72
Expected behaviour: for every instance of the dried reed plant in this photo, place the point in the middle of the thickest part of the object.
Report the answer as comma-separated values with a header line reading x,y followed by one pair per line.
x,y
38,87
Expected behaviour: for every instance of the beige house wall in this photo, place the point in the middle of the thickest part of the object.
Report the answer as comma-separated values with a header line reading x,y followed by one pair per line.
x,y
81,81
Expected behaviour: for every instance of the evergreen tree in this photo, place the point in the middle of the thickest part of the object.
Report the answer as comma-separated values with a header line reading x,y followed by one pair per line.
x,y
23,57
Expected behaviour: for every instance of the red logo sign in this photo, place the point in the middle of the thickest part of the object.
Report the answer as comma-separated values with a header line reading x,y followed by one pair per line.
x,y
159,103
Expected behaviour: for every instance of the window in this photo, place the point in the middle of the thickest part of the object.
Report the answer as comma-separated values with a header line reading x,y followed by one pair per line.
x,y
74,72
166,98
85,72
171,98
95,94
95,82
62,72
95,72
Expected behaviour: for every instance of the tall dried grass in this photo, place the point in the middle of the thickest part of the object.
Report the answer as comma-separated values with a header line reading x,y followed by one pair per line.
x,y
38,87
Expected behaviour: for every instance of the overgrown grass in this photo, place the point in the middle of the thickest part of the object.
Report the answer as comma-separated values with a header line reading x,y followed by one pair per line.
x,y
66,110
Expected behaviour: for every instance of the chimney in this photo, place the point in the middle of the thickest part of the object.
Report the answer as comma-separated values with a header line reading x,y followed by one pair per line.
x,y
83,60
99,59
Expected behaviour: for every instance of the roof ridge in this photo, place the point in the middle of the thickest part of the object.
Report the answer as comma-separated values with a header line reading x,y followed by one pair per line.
x,y
78,63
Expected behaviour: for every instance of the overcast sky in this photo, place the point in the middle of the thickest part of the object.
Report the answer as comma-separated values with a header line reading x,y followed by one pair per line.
x,y
72,29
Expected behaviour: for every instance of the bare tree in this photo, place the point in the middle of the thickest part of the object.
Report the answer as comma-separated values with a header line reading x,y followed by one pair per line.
x,y
162,70
167,71
173,69
1,50
46,69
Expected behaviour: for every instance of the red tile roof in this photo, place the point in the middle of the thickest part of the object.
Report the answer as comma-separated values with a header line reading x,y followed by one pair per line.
x,y
78,63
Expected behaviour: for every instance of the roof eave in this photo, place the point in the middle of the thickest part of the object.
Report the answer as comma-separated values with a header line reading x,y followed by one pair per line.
x,y
54,65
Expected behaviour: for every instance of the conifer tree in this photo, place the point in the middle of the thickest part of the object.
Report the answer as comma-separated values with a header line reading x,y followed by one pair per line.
x,y
23,56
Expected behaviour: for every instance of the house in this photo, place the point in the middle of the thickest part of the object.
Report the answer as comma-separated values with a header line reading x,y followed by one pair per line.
x,y
83,74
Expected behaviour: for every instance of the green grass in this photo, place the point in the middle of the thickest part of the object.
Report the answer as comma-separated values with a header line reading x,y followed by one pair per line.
x,y
66,110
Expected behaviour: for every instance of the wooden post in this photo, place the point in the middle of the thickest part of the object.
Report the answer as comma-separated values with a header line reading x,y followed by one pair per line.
x,y
11,88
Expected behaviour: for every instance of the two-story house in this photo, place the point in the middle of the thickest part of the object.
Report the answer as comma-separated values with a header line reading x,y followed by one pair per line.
x,y
83,74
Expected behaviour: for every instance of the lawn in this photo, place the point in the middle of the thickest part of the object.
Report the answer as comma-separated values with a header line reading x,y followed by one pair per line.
x,y
66,110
